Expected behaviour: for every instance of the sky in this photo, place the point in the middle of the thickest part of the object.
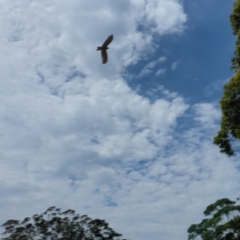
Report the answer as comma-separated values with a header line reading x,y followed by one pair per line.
x,y
129,141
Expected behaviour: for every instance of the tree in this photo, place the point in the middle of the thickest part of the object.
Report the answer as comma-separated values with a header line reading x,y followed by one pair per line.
x,y
235,17
235,23
230,124
223,223
229,132
56,225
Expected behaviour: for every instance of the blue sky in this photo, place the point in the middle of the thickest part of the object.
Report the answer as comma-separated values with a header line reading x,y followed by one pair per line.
x,y
203,53
130,141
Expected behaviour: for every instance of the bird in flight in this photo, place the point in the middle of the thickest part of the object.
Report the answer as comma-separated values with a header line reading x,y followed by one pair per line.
x,y
104,48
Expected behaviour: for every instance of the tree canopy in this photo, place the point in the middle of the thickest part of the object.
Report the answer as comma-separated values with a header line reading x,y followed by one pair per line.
x,y
223,222
230,124
56,225
229,132
235,23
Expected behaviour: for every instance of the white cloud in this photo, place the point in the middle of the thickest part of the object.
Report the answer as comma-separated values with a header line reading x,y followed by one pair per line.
x,y
160,71
207,114
75,135
174,65
157,15
149,67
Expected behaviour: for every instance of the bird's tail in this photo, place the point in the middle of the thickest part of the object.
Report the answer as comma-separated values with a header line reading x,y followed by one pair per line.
x,y
99,48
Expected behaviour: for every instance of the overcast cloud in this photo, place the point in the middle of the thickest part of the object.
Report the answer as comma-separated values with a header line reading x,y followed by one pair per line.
x,y
74,134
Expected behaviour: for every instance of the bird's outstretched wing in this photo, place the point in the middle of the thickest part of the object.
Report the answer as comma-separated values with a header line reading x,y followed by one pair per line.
x,y
104,56
107,41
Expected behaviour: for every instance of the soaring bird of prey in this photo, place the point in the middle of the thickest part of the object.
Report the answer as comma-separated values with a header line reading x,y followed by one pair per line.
x,y
104,48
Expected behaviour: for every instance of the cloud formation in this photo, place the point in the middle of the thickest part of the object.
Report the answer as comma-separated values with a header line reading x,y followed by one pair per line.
x,y
75,135
150,66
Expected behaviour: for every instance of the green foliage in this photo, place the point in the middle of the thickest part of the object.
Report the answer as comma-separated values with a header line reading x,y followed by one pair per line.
x,y
235,23
223,222
230,123
230,105
223,141
236,59
235,17
56,225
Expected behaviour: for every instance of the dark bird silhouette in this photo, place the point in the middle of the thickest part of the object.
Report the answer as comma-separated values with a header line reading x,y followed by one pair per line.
x,y
104,48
